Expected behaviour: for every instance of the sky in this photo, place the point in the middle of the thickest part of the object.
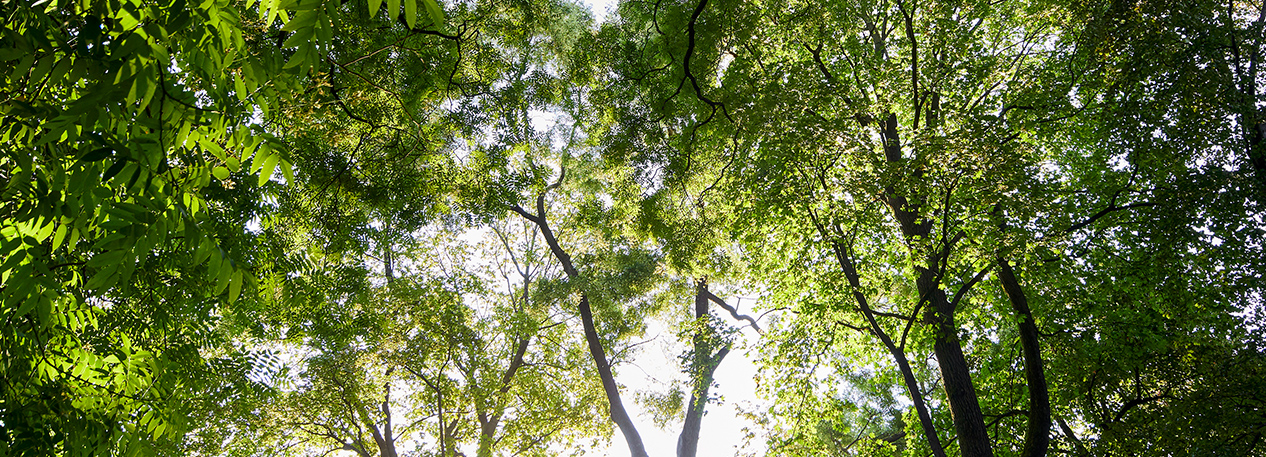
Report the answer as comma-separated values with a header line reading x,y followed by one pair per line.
x,y
600,8
722,430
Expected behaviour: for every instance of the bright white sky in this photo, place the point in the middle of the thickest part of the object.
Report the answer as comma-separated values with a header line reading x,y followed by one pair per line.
x,y
600,8
722,429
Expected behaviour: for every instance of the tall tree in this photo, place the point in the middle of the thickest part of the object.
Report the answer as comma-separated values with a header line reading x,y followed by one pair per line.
x,y
923,148
127,170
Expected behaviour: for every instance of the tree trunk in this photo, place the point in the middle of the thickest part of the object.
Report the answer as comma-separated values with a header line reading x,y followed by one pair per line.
x,y
898,353
618,414
1037,434
488,423
973,438
705,365
969,422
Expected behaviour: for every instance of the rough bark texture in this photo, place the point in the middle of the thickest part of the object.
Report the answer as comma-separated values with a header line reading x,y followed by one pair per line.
x,y
1037,434
973,437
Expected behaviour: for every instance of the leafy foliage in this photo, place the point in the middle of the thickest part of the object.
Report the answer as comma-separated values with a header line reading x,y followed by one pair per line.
x,y
405,226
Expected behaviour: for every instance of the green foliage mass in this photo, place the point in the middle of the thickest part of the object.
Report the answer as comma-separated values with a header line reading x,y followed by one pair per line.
x,y
386,227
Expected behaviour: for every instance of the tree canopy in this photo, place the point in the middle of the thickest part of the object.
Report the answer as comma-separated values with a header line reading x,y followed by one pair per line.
x,y
424,227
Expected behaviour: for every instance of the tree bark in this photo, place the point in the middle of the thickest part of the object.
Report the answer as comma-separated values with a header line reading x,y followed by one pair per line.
x,y
488,422
705,364
1251,119
617,412
1037,434
969,422
609,386
1077,444
898,353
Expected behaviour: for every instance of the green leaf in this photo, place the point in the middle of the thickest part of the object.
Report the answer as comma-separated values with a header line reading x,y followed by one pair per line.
x,y
374,6
437,14
393,9
45,231
111,257
30,303
411,13
59,236
96,154
300,57
223,277
303,20
235,286
104,279
114,169
211,146
203,252
239,88
270,165
287,171
220,173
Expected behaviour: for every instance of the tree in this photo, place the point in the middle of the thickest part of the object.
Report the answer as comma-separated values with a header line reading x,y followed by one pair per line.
x,y
435,359
932,198
117,117
708,346
923,149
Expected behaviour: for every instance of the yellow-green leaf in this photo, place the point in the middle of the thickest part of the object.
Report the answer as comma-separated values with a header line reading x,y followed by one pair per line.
x,y
59,236
270,165
393,8
235,285
288,171
437,14
410,12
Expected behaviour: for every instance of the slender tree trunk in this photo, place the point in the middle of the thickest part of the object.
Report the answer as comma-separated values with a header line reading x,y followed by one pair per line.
x,y
1252,119
898,353
1037,435
1068,431
488,422
618,414
705,364
609,386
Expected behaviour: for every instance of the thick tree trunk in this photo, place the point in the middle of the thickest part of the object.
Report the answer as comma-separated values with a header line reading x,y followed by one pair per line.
x,y
688,442
1037,434
973,437
969,422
